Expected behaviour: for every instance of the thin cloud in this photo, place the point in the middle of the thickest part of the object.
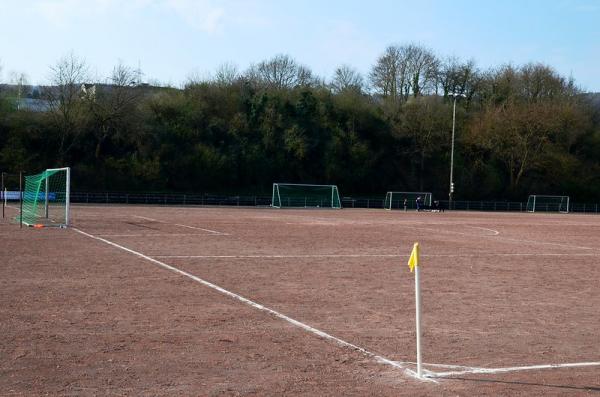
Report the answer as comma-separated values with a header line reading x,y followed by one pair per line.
x,y
201,15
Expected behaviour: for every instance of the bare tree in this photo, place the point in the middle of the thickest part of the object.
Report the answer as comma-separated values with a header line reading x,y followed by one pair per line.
x,y
346,78
422,68
227,73
387,74
459,77
404,70
540,81
278,72
20,81
305,77
113,105
64,98
281,72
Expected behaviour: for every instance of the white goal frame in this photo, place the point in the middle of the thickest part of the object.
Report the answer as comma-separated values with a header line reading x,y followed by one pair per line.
x,y
427,198
534,200
335,195
45,217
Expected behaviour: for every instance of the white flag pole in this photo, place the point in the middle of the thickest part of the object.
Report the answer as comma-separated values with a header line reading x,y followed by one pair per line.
x,y
418,319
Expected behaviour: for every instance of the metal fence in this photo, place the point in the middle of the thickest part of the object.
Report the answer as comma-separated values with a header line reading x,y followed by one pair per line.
x,y
168,199
259,200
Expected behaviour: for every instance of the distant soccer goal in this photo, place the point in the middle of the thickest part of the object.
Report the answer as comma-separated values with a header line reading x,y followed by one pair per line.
x,y
537,202
289,195
46,198
397,200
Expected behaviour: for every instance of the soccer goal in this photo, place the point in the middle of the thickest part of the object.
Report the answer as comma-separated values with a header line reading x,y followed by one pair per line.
x,y
537,202
289,195
46,198
395,200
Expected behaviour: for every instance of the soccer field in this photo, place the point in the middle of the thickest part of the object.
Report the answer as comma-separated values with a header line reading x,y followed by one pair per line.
x,y
241,301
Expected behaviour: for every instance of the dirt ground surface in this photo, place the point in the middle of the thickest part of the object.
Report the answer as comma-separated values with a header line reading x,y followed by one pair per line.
x,y
143,300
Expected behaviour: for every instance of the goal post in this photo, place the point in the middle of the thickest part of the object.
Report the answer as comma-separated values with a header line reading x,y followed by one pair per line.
x,y
395,200
46,198
291,195
546,203
10,193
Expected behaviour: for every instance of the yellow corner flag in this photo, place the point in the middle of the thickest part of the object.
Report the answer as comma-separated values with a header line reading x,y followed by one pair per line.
x,y
413,261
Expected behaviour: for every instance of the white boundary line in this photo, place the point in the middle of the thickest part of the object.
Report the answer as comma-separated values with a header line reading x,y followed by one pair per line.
x,y
258,306
180,225
475,370
362,255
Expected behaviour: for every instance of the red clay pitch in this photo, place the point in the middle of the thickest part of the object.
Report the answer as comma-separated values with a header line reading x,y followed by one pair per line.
x,y
83,317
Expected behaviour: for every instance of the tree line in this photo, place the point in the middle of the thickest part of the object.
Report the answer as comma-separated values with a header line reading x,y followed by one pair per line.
x,y
519,129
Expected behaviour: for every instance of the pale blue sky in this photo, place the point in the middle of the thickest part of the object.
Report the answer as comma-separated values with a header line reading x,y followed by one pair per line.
x,y
173,39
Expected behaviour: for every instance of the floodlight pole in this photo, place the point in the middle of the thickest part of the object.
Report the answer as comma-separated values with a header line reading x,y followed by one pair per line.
x,y
451,192
3,195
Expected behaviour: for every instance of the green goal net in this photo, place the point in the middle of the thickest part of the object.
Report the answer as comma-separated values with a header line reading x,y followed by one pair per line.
x,y
544,203
406,200
286,195
46,198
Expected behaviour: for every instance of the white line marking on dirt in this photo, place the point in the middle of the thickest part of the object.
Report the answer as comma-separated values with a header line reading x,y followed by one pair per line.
x,y
146,218
436,365
495,232
258,306
475,370
154,235
363,255
199,228
180,225
562,245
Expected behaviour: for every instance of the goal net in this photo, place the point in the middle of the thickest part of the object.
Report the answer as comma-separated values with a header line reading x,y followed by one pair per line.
x,y
544,203
396,200
287,195
46,198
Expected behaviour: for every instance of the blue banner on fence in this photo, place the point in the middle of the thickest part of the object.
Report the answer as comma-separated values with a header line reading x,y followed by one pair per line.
x,y
10,195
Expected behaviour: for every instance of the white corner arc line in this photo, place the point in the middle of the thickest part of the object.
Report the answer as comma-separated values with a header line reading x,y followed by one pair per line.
x,y
474,370
258,306
494,232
